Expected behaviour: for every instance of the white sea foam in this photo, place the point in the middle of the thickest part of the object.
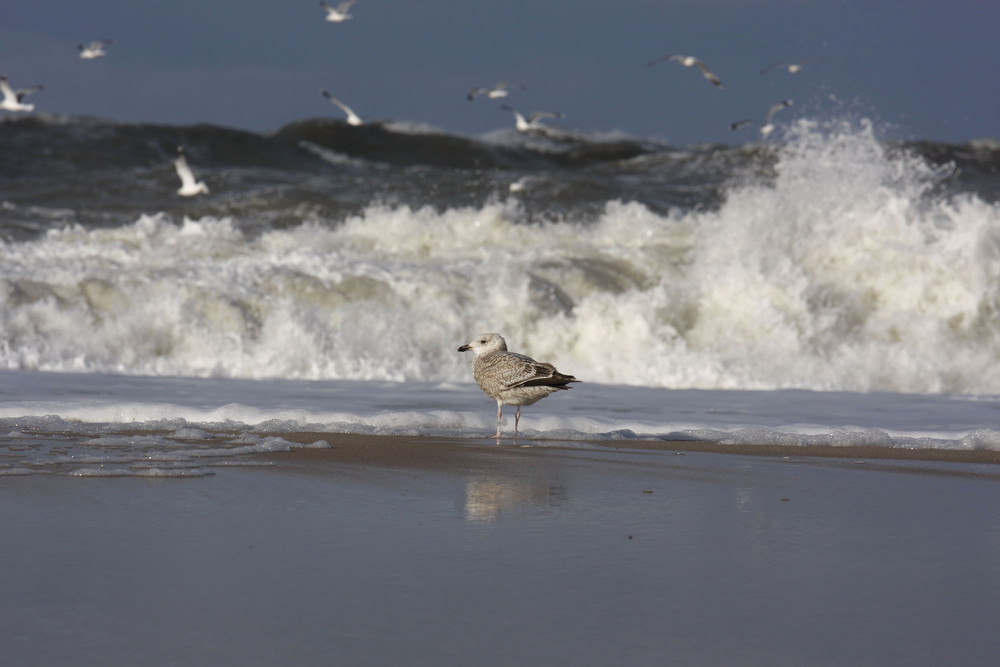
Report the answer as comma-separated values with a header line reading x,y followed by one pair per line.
x,y
91,420
140,471
846,273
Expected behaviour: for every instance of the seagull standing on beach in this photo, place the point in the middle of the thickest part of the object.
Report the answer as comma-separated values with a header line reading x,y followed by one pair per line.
x,y
531,122
510,378
339,13
189,185
767,127
12,98
352,118
499,90
95,49
688,61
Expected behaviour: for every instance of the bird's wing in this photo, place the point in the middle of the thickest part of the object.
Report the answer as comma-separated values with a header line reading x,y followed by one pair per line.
x,y
507,107
661,59
184,171
545,375
24,92
707,73
772,67
784,104
523,371
545,114
346,109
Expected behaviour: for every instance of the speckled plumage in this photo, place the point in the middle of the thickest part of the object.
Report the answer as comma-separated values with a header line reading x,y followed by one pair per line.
x,y
510,378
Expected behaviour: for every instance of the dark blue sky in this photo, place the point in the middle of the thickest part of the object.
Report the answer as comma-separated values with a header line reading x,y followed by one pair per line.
x,y
919,69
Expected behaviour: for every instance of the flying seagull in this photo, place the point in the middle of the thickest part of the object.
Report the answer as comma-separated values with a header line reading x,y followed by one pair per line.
x,y
767,127
520,184
95,49
793,68
532,121
499,90
352,118
12,98
339,13
189,186
510,378
688,61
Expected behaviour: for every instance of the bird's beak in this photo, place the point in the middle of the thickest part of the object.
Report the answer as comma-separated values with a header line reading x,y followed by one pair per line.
x,y
464,348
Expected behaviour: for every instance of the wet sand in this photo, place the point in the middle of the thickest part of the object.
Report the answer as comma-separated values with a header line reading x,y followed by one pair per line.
x,y
409,449
428,551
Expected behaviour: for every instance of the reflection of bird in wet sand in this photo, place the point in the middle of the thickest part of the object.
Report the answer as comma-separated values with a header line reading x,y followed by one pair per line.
x,y
510,378
489,498
688,61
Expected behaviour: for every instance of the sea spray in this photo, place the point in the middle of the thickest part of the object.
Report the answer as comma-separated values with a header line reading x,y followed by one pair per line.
x,y
843,275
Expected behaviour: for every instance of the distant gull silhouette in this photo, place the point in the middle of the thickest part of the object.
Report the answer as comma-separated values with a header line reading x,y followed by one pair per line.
x,y
352,118
532,121
510,378
189,186
688,61
793,68
12,98
339,13
767,127
95,49
499,90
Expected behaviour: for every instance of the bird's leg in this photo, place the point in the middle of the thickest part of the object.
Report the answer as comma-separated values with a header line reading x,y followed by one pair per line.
x,y
517,418
499,415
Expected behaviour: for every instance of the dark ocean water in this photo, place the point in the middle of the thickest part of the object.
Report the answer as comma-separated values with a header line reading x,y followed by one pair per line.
x,y
60,170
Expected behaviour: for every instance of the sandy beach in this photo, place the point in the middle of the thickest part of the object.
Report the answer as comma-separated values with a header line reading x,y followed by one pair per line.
x,y
400,550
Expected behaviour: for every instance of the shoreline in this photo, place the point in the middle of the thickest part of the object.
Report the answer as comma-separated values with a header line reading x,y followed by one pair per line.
x,y
358,448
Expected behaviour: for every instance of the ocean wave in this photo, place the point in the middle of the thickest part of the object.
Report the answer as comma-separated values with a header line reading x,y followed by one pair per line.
x,y
833,261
